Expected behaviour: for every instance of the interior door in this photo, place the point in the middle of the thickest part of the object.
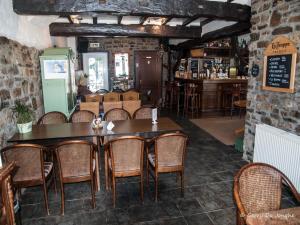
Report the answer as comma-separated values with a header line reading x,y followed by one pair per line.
x,y
95,64
148,75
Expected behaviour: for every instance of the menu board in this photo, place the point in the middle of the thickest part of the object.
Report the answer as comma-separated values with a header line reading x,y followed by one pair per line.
x,y
279,71
280,66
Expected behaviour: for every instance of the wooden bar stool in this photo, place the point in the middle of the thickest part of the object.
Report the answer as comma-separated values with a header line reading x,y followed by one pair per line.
x,y
172,95
192,98
231,93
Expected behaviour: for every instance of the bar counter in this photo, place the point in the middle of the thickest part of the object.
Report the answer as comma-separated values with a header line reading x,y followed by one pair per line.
x,y
212,91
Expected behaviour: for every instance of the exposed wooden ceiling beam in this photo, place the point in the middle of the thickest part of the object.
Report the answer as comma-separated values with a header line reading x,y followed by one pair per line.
x,y
70,19
65,29
189,20
143,19
167,20
238,28
158,8
120,19
204,22
95,20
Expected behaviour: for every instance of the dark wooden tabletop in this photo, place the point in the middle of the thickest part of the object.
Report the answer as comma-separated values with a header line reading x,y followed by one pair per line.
x,y
77,130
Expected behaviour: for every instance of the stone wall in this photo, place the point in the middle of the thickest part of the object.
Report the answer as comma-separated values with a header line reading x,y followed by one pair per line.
x,y
271,18
124,45
19,81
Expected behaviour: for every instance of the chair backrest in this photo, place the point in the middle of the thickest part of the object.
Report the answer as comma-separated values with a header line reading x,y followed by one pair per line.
x,y
75,158
131,96
28,158
126,153
131,106
90,106
117,114
53,118
93,98
143,113
257,187
8,215
102,91
170,150
82,116
111,105
112,97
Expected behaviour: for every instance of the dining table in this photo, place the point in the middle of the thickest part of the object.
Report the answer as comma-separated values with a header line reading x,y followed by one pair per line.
x,y
51,134
289,216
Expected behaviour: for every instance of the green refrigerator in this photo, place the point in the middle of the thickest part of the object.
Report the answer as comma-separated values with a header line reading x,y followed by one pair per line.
x,y
58,80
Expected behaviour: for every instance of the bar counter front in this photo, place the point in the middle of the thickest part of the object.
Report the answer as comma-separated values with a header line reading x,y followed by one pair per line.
x,y
215,94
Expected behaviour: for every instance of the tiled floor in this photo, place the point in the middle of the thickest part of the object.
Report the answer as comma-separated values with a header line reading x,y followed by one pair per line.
x,y
210,167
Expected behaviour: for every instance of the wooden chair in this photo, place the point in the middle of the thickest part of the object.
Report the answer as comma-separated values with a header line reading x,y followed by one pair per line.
x,y
125,159
131,106
168,157
258,189
93,98
131,96
192,98
53,118
82,116
102,91
7,206
117,114
32,170
76,163
143,113
112,97
112,105
90,106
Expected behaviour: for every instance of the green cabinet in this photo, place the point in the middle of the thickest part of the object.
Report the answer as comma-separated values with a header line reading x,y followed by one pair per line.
x,y
58,80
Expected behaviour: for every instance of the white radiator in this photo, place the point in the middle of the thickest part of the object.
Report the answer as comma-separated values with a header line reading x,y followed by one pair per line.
x,y
279,149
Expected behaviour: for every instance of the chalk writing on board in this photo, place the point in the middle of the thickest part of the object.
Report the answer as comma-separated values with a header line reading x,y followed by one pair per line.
x,y
279,71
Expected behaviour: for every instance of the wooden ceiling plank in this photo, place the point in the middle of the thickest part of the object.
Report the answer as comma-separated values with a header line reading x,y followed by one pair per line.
x,y
189,20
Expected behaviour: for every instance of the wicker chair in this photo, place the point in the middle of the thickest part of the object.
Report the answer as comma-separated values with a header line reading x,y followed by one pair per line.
x,y
32,170
112,97
82,116
76,163
257,189
53,118
117,114
131,106
168,157
125,159
7,203
90,106
143,113
131,96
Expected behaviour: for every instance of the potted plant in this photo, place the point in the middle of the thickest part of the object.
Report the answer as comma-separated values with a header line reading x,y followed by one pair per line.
x,y
24,117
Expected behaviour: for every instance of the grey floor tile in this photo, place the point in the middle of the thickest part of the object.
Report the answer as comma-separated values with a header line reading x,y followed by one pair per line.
x,y
199,219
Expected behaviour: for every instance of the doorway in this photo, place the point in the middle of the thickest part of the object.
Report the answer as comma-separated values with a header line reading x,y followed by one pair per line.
x,y
148,75
95,64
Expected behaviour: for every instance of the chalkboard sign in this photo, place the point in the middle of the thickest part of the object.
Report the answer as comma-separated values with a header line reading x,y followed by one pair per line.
x,y
255,70
279,71
280,66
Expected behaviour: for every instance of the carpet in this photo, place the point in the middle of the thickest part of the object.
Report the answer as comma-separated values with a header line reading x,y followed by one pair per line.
x,y
221,128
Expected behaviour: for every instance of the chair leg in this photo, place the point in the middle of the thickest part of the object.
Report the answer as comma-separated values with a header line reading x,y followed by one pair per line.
x,y
182,183
93,191
62,198
239,220
46,197
142,187
114,191
106,169
156,187
147,172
